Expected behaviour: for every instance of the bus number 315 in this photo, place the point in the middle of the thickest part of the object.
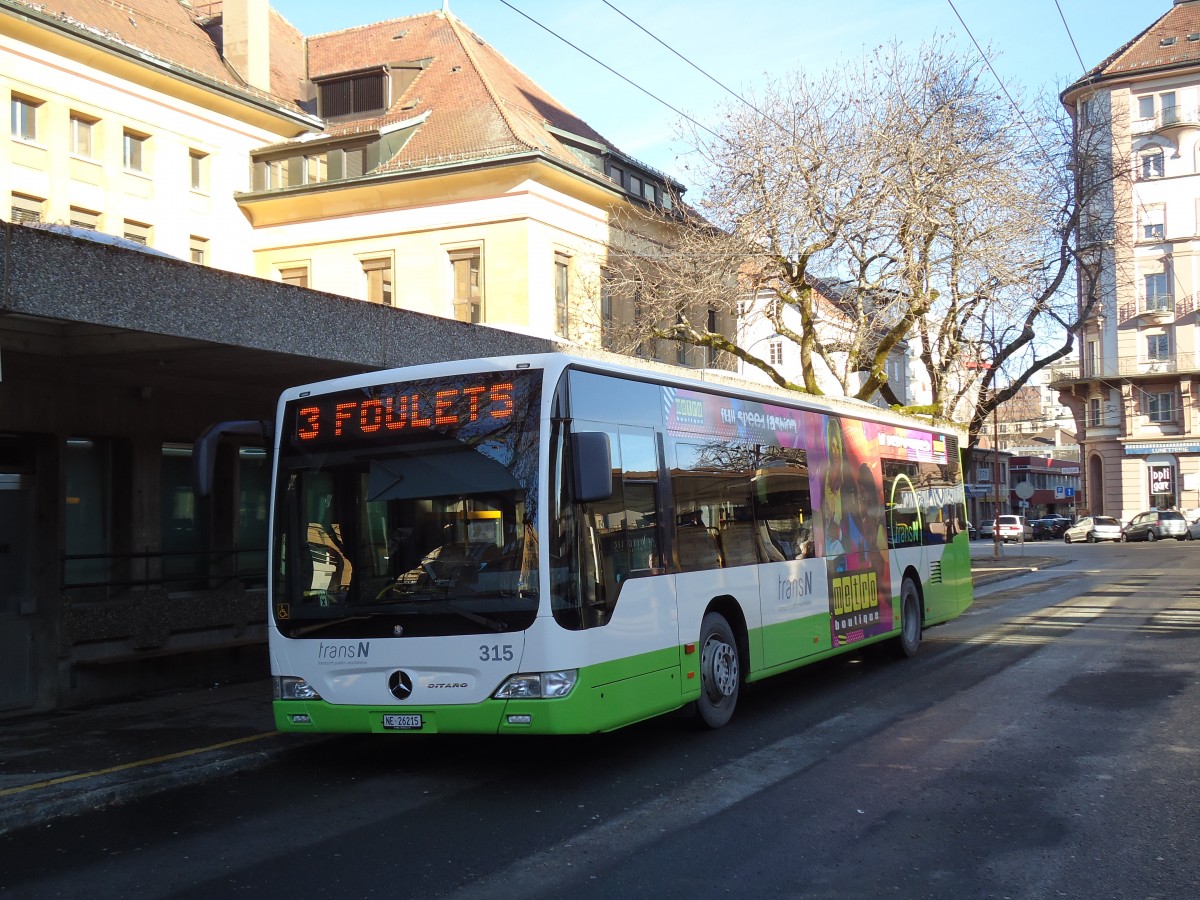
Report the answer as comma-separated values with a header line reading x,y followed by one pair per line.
x,y
496,653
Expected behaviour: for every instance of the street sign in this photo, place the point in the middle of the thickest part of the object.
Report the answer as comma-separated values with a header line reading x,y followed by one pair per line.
x,y
1024,490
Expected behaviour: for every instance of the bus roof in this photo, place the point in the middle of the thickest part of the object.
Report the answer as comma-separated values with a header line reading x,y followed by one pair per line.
x,y
645,370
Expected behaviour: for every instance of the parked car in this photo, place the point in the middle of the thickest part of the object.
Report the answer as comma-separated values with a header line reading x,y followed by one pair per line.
x,y
1155,524
1050,527
972,533
987,529
1095,528
1014,528
1193,527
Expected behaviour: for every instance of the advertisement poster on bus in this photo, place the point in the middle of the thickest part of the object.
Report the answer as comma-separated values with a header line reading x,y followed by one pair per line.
x,y
845,493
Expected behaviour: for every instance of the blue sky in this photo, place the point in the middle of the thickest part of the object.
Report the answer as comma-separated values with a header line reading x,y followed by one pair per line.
x,y
739,43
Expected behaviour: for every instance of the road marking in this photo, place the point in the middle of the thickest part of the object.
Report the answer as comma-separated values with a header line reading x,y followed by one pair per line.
x,y
7,792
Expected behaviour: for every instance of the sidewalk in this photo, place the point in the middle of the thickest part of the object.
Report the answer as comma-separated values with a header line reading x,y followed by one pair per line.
x,y
71,761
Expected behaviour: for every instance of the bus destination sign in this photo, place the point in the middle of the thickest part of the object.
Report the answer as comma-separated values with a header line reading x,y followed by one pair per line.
x,y
477,403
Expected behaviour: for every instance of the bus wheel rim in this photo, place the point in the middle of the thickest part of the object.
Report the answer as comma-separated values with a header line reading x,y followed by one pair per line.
x,y
719,669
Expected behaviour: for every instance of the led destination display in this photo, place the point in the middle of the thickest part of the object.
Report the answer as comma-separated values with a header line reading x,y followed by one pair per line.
x,y
476,404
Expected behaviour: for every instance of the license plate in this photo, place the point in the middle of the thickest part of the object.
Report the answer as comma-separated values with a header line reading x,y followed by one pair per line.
x,y
402,722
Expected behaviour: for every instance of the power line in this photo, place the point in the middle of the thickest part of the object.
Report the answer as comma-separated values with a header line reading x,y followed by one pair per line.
x,y
604,65
710,77
1075,46
987,62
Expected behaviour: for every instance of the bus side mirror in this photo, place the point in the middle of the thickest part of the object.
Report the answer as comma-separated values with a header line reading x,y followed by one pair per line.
x,y
593,466
204,451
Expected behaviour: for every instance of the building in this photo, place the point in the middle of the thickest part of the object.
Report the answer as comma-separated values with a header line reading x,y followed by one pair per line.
x,y
405,162
1134,392
757,333
272,183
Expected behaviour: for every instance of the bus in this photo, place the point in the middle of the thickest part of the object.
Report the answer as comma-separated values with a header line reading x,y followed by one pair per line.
x,y
556,544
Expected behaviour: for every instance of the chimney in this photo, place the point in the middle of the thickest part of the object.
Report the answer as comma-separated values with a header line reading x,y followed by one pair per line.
x,y
245,25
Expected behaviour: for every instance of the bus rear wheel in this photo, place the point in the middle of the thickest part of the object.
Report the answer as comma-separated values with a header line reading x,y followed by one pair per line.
x,y
909,640
720,671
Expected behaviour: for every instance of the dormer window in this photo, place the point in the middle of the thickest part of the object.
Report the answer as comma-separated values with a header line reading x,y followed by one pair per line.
x,y
352,95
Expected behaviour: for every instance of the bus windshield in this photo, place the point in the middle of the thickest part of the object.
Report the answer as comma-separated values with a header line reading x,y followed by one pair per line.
x,y
410,510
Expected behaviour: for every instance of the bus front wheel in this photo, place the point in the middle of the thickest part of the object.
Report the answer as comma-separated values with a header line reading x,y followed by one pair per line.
x,y
910,620
720,671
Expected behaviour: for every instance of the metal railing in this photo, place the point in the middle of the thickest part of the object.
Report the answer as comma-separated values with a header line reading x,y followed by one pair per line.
x,y
1167,117
112,573
1162,305
1124,367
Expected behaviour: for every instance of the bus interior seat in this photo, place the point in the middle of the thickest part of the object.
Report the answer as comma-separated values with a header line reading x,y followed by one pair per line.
x,y
697,546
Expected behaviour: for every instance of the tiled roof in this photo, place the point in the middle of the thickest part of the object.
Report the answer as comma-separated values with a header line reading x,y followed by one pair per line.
x,y
479,104
474,104
169,31
1163,45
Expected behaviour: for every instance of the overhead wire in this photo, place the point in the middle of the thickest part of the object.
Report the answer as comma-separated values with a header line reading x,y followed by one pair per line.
x,y
606,66
699,69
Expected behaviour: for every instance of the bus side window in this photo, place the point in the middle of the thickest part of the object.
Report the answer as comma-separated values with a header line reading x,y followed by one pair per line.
x,y
903,504
783,505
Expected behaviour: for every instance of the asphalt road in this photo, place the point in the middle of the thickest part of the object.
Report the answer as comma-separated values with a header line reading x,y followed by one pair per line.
x,y
1045,744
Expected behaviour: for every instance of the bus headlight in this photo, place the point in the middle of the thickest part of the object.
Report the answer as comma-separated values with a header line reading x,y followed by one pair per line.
x,y
538,685
292,687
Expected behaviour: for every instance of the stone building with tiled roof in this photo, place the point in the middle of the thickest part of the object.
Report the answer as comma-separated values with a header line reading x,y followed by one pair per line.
x,y
1135,393
405,162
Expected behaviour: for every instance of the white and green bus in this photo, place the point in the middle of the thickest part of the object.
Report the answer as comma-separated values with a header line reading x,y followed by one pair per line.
x,y
552,544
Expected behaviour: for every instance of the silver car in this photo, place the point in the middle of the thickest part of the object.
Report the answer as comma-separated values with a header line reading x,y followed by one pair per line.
x,y
1156,524
1094,528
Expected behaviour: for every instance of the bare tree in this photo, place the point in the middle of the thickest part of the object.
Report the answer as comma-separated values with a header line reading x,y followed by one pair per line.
x,y
904,199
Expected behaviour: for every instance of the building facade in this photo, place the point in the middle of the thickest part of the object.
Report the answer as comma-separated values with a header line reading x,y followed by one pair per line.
x,y
1134,392
301,208
405,163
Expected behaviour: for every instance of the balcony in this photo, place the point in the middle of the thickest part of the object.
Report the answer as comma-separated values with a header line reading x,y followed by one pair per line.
x,y
1065,375
1167,119
1155,309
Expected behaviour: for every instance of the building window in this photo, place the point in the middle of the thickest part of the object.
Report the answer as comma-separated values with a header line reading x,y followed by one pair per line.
x,y
379,280
635,185
1094,411
84,218
1152,231
137,232
1152,164
353,95
468,285
198,247
26,210
1146,107
606,313
710,350
1158,347
82,135
1160,407
775,353
617,176
134,152
199,166
1158,292
316,168
562,316
294,275
24,118
354,162
1167,109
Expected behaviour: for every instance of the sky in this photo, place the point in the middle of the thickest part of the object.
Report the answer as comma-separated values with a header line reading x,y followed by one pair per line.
x,y
741,44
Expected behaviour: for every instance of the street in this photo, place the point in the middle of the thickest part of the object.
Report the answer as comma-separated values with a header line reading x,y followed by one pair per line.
x,y
1045,744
